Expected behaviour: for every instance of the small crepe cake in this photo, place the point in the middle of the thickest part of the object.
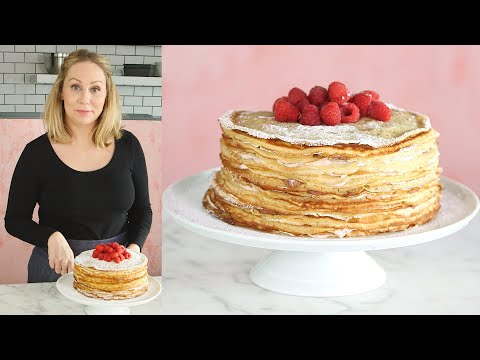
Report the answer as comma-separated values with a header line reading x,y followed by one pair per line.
x,y
321,168
98,274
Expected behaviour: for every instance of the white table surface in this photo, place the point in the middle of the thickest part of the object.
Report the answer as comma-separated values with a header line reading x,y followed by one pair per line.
x,y
207,276
45,299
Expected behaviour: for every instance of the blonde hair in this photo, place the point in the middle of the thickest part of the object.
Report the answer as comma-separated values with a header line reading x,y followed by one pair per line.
x,y
109,123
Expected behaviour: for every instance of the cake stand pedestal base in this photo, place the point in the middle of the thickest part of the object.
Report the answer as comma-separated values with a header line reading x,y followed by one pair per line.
x,y
318,273
106,307
104,310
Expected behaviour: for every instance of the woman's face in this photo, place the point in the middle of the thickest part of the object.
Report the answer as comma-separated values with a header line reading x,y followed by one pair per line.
x,y
84,92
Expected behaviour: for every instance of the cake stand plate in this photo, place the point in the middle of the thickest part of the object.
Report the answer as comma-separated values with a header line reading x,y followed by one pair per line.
x,y
107,307
316,266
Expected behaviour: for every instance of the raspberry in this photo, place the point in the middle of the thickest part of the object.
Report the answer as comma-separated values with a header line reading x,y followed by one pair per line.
x,y
107,258
338,92
100,256
115,245
379,111
117,259
122,257
330,113
296,94
95,253
114,254
281,98
99,247
372,93
318,95
127,255
350,113
285,111
363,101
310,115
301,104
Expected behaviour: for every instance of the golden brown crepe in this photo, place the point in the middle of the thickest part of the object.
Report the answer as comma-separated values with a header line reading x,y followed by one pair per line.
x,y
372,177
108,280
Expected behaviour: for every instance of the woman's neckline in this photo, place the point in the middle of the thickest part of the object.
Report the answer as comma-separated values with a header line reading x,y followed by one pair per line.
x,y
79,171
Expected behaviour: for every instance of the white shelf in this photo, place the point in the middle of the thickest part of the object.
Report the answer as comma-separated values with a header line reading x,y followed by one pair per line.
x,y
119,80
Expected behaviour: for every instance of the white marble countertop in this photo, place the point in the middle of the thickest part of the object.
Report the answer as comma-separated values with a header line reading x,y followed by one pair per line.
x,y
45,299
206,276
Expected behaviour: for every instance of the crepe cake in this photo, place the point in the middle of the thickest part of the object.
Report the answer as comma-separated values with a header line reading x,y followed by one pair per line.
x,y
352,179
100,279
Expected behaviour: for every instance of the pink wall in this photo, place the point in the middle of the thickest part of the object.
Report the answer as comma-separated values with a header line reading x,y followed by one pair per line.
x,y
201,82
15,134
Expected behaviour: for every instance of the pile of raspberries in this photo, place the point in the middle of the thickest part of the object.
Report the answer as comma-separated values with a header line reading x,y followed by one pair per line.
x,y
329,107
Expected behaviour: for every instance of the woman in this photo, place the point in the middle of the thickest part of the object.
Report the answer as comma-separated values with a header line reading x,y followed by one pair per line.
x,y
87,174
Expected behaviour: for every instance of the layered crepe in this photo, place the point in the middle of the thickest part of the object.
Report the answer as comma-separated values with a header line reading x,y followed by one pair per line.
x,y
356,179
108,280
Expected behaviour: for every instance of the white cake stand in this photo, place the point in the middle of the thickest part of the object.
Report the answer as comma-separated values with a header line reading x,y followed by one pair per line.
x,y
308,266
107,307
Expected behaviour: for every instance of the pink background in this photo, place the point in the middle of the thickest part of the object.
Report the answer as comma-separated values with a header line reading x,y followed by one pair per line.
x,y
200,83
15,134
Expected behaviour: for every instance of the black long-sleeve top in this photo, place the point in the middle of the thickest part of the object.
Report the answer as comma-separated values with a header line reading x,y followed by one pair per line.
x,y
90,205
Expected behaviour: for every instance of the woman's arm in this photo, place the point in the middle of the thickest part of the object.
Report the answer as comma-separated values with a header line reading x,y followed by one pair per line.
x,y
22,199
140,214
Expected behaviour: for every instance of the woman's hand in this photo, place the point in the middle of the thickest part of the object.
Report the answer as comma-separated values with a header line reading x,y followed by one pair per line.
x,y
134,247
60,255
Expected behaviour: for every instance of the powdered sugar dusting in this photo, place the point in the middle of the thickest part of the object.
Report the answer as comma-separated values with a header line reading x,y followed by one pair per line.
x,y
341,233
376,134
85,259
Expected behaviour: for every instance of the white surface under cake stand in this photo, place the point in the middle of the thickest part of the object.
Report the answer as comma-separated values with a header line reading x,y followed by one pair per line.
x,y
321,267
107,307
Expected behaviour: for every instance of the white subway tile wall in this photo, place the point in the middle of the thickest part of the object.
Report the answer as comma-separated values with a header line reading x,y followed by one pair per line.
x,y
19,62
